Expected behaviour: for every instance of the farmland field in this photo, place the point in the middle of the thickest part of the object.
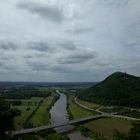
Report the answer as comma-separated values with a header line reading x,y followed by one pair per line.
x,y
106,126
26,108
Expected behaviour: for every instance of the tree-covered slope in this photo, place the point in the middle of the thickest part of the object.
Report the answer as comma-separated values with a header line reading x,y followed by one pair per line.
x,y
117,89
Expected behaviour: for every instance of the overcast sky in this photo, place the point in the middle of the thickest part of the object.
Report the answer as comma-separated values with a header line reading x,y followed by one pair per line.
x,y
68,40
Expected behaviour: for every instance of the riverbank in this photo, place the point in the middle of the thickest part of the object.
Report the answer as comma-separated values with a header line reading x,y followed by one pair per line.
x,y
76,111
42,115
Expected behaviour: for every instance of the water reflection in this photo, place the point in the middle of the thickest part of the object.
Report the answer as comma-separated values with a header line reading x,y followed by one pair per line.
x,y
59,115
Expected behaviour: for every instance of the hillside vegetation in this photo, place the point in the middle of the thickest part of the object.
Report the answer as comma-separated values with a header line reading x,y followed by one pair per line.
x,y
117,89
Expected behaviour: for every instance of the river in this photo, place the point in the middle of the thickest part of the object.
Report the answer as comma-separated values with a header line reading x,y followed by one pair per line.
x,y
59,115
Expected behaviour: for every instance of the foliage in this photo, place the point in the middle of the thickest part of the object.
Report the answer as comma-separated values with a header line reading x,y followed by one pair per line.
x,y
119,136
134,133
26,137
92,134
7,116
134,114
52,135
16,102
24,93
118,89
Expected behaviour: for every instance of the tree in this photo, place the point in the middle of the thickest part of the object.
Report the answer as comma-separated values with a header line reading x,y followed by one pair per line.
x,y
134,133
119,136
7,116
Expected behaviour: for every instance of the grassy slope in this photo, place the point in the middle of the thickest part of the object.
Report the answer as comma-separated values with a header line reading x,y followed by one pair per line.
x,y
41,116
106,126
89,104
77,111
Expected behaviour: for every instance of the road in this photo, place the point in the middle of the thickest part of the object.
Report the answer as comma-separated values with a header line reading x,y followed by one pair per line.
x,y
47,127
85,107
90,109
125,117
114,114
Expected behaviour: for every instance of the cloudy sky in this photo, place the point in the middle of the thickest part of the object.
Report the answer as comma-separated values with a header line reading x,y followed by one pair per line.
x,y
68,40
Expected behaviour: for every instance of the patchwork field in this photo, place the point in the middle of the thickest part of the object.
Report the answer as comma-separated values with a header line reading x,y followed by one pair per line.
x,y
26,108
107,126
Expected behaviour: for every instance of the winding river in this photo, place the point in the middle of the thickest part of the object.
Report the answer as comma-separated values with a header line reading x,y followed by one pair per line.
x,y
59,115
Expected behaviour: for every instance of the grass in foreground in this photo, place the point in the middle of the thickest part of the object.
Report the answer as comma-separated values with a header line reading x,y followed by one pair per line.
x,y
107,126
89,104
41,116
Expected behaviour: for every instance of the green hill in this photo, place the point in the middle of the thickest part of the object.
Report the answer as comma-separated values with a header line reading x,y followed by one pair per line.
x,y
117,89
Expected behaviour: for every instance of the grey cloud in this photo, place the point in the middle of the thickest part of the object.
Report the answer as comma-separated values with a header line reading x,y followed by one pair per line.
x,y
80,30
46,67
7,45
52,13
114,3
83,55
37,66
60,69
28,56
71,61
39,46
78,57
7,58
3,66
103,64
69,45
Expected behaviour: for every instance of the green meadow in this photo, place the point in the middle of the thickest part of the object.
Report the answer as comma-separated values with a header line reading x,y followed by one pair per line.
x,y
41,116
26,108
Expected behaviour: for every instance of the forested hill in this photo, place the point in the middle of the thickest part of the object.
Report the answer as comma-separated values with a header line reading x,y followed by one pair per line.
x,y
117,89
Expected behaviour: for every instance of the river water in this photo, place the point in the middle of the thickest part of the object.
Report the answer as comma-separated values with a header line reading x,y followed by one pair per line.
x,y
59,115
